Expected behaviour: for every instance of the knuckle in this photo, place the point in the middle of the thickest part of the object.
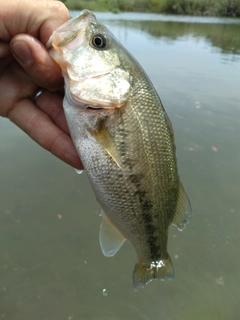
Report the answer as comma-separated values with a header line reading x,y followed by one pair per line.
x,y
55,143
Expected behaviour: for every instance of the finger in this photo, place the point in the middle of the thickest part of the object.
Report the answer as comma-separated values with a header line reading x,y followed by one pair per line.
x,y
58,14
36,17
42,130
51,104
36,62
15,85
4,49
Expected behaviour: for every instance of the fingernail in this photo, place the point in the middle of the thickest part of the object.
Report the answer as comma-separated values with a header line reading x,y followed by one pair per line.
x,y
22,52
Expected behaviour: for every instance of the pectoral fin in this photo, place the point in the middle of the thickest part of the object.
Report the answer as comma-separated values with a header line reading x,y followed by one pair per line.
x,y
183,211
105,139
110,238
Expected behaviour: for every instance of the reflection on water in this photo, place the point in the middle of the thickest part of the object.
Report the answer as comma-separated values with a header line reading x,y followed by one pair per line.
x,y
224,35
51,265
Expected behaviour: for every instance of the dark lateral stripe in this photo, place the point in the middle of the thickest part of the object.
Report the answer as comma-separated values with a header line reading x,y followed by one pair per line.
x,y
146,214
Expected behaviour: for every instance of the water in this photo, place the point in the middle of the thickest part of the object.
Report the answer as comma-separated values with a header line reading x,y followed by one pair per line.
x,y
51,265
105,292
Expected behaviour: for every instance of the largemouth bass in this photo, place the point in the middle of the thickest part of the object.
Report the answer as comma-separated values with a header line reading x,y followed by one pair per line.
x,y
125,141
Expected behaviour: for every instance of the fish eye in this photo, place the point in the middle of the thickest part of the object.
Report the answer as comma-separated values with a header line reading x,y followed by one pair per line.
x,y
99,41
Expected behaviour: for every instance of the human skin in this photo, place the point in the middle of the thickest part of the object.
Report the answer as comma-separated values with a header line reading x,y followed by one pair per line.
x,y
25,66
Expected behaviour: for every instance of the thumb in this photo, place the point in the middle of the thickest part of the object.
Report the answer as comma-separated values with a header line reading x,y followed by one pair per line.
x,y
36,62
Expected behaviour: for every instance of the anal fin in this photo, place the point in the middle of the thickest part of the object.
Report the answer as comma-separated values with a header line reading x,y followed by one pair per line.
x,y
110,238
183,210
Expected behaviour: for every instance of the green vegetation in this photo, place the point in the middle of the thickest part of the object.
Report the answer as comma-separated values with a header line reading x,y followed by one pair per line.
x,y
229,8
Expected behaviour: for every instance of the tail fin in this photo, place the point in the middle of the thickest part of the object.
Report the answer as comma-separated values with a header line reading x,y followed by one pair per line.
x,y
143,273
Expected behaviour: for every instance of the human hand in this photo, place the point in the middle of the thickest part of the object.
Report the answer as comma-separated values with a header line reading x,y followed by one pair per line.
x,y
25,66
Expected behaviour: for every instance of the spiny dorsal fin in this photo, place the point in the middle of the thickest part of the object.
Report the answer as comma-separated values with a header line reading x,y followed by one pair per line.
x,y
110,238
183,211
105,139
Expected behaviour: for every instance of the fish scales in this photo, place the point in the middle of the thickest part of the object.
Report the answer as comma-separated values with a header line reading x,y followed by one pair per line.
x,y
139,197
126,143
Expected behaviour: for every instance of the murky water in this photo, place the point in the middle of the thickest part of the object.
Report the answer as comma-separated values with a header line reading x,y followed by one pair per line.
x,y
51,266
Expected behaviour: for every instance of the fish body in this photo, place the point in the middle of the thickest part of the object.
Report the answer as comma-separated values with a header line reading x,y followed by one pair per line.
x,y
125,141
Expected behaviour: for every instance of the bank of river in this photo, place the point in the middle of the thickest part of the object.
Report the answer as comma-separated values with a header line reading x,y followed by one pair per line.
x,y
226,8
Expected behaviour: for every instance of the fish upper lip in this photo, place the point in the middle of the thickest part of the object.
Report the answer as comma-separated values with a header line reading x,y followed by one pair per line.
x,y
84,14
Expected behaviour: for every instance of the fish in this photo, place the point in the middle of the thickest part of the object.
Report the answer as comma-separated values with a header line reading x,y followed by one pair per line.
x,y
125,140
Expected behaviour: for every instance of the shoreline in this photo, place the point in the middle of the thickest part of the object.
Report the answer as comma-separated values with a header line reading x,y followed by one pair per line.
x,y
210,8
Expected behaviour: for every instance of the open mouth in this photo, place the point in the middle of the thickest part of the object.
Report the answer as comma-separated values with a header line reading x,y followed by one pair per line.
x,y
94,109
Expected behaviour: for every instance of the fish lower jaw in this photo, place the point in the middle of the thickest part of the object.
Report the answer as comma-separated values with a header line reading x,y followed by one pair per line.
x,y
99,105
91,105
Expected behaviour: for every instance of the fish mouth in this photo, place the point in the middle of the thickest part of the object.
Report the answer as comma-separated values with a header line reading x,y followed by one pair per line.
x,y
92,95
85,14
100,107
70,29
95,108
